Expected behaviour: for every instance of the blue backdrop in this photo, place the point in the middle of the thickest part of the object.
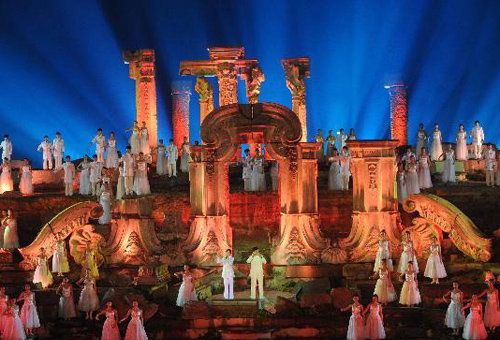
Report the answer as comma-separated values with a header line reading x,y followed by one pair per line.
x,y
61,67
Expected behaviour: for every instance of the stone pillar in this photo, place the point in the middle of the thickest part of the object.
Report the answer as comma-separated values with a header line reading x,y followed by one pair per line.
x,y
399,112
253,78
374,198
142,69
206,92
228,83
181,94
296,71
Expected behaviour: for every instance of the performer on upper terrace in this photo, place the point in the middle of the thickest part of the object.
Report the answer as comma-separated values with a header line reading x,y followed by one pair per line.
x,y
330,145
477,135
161,159
128,161
247,171
6,147
449,165
134,139
6,183
345,168
436,146
321,152
185,155
258,179
26,183
144,140
58,150
100,145
46,148
461,141
352,135
341,139
172,155
424,170
85,185
112,152
421,139
490,162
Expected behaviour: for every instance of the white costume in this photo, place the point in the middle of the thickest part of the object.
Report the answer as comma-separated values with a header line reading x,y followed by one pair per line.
x,y
374,325
330,145
128,172
29,315
402,190
110,330
120,186
455,317
186,291
334,175
421,142
144,141
42,273
105,201
435,267
383,253
491,311
89,301
247,172
345,169
85,185
477,134
257,274
6,183
26,183
172,154
135,328
384,287
95,175
410,295
10,238
474,327
436,146
258,176
449,167
424,173
461,149
341,139
100,146
407,157
185,158
408,254
412,185
58,151
6,147
161,161
489,163
141,182
60,262
227,275
69,177
134,141
47,154
356,329
13,327
112,155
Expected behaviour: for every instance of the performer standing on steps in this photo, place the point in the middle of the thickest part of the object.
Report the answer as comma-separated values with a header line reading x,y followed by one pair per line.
x,y
227,274
256,261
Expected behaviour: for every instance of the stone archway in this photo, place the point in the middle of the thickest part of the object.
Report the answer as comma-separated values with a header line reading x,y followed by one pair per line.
x,y
279,129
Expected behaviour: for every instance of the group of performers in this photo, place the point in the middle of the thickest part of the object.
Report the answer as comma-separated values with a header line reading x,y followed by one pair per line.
x,y
253,174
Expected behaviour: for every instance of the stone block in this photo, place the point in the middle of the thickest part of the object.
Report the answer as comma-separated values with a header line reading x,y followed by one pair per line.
x,y
196,310
308,300
342,297
286,306
357,271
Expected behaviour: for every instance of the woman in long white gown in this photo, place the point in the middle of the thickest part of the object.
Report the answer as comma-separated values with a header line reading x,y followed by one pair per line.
x,y
383,252
89,301
455,317
10,237
449,166
26,183
6,183
384,288
105,201
434,268
401,177
424,170
110,330
144,140
112,154
134,139
334,176
141,182
13,328
42,273
161,159
120,186
410,295
258,179
185,156
135,328
29,314
474,327
421,139
492,308
407,255
186,291
436,146
66,309
412,185
4,301
374,328
461,140
60,262
85,186
356,329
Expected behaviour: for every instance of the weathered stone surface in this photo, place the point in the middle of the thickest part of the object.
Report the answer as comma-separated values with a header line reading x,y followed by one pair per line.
x,y
286,306
357,271
196,310
311,299
342,297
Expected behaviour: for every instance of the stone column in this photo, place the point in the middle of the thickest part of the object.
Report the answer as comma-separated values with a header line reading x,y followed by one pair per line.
x,y
296,71
374,199
181,94
228,83
142,69
206,92
399,112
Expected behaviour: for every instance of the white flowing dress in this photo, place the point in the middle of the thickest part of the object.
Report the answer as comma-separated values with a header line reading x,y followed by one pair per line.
x,y
474,327
89,301
3,308
141,182
374,325
66,304
161,161
412,185
334,176
186,291
85,186
356,329
135,328
491,312
421,142
408,254
10,237
455,317
134,141
410,295
383,252
29,315
112,155
449,167
436,146
384,287
402,191
144,142
424,173
185,158
59,259
461,149
120,186
258,179
105,201
108,331
42,273
6,183
435,267
26,183
13,329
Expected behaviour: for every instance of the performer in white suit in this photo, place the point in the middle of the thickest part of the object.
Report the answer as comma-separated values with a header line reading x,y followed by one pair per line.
x,y
69,175
477,134
6,147
172,154
490,160
227,274
256,261
46,147
100,145
58,150
247,170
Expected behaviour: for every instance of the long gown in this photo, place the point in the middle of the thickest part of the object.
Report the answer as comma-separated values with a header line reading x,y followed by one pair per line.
x,y
334,176
42,273
141,182
6,183
402,190
66,304
384,287
13,329
134,141
89,301
135,328
29,315
424,173
491,313
10,237
120,186
112,155
408,254
449,167
356,329
105,201
474,327
186,291
383,252
410,295
3,308
161,161
436,146
59,259
185,157
435,267
144,142
461,149
26,183
258,177
412,185
455,317
421,142
374,325
108,331
85,186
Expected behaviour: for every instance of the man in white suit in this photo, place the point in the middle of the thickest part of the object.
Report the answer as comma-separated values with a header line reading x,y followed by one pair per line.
x,y
256,261
227,274
6,145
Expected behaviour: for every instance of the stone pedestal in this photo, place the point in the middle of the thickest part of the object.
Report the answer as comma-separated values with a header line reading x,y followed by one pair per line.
x,y
399,112
181,95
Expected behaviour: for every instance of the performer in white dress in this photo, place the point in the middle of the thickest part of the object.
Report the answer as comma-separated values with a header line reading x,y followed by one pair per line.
x,y
334,175
29,315
435,267
42,273
258,175
374,329
134,139
227,274
95,175
407,156
330,145
112,152
120,186
186,291
4,301
69,175
185,155
58,150
490,161
492,309
110,330
461,144
345,168
60,262
172,155
407,255
26,183
474,327
6,182
412,185
320,155
424,171
141,182
421,139
247,171
13,328
144,140
257,261
356,329
161,159
10,237
383,252
105,201
341,139
410,295
66,303
3,224
128,161
100,145
85,185
436,146
455,317
352,135
46,148
477,135
275,175
135,328
449,166
6,147
401,177
89,301
384,288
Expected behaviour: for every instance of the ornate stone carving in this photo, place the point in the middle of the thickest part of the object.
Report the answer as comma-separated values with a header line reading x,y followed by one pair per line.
x,y
228,84
399,112
444,216
253,78
372,175
206,92
78,244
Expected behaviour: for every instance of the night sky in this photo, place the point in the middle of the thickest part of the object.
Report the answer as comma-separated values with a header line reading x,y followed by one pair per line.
x,y
61,67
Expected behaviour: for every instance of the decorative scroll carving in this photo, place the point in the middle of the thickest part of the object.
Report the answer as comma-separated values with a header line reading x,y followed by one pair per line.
x,y
462,231
253,80
64,223
206,92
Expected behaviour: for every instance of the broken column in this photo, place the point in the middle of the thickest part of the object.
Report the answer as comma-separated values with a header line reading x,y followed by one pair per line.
x,y
181,95
399,112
